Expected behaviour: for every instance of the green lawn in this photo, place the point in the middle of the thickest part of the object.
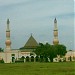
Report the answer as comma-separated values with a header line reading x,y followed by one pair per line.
x,y
62,68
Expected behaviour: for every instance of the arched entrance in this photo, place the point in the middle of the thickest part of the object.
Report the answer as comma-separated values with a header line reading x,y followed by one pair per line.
x,y
70,58
27,59
32,58
22,58
13,59
37,58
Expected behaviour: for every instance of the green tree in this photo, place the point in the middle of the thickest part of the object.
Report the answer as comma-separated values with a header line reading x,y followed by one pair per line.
x,y
61,50
56,50
50,51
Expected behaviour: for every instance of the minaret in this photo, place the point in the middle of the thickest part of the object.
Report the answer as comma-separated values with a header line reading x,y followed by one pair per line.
x,y
55,41
8,41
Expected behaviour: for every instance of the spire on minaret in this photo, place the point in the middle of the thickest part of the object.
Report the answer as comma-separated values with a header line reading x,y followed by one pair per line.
x,y
55,41
8,21
55,21
8,41
55,24
8,25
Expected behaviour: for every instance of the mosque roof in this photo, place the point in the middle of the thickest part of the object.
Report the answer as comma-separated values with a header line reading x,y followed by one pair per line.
x,y
31,43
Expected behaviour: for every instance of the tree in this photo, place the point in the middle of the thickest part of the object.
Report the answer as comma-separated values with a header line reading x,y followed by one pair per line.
x,y
56,50
41,51
50,51
46,51
61,50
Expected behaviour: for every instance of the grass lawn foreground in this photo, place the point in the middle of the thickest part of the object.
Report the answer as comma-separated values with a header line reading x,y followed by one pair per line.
x,y
37,68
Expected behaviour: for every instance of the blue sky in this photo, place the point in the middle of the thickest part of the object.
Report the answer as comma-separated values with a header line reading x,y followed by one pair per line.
x,y
37,17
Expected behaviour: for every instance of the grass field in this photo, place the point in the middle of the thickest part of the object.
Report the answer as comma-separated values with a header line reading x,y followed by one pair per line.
x,y
62,68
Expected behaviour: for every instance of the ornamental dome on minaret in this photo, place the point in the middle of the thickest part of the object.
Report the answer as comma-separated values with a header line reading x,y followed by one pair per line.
x,y
8,42
55,41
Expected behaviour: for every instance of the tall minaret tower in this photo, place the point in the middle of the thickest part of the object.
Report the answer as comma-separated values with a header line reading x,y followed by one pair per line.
x,y
55,41
8,42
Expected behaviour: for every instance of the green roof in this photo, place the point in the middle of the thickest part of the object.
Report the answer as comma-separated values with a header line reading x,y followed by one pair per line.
x,y
31,43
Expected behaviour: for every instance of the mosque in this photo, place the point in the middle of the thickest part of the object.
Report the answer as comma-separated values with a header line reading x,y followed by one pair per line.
x,y
26,52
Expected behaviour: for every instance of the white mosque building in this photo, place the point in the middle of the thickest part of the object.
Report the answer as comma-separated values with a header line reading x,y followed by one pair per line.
x,y
26,53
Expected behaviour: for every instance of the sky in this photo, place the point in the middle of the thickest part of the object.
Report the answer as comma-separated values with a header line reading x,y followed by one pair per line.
x,y
36,17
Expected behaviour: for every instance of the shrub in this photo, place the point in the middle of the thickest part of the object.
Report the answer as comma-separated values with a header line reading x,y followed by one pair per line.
x,y
2,61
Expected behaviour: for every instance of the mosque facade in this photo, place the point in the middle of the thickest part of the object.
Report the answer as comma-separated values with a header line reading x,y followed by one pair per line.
x,y
26,54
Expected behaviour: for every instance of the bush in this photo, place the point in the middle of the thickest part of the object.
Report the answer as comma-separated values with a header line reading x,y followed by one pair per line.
x,y
2,61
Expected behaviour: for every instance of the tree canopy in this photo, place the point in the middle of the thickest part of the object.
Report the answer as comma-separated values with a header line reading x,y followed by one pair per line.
x,y
50,51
